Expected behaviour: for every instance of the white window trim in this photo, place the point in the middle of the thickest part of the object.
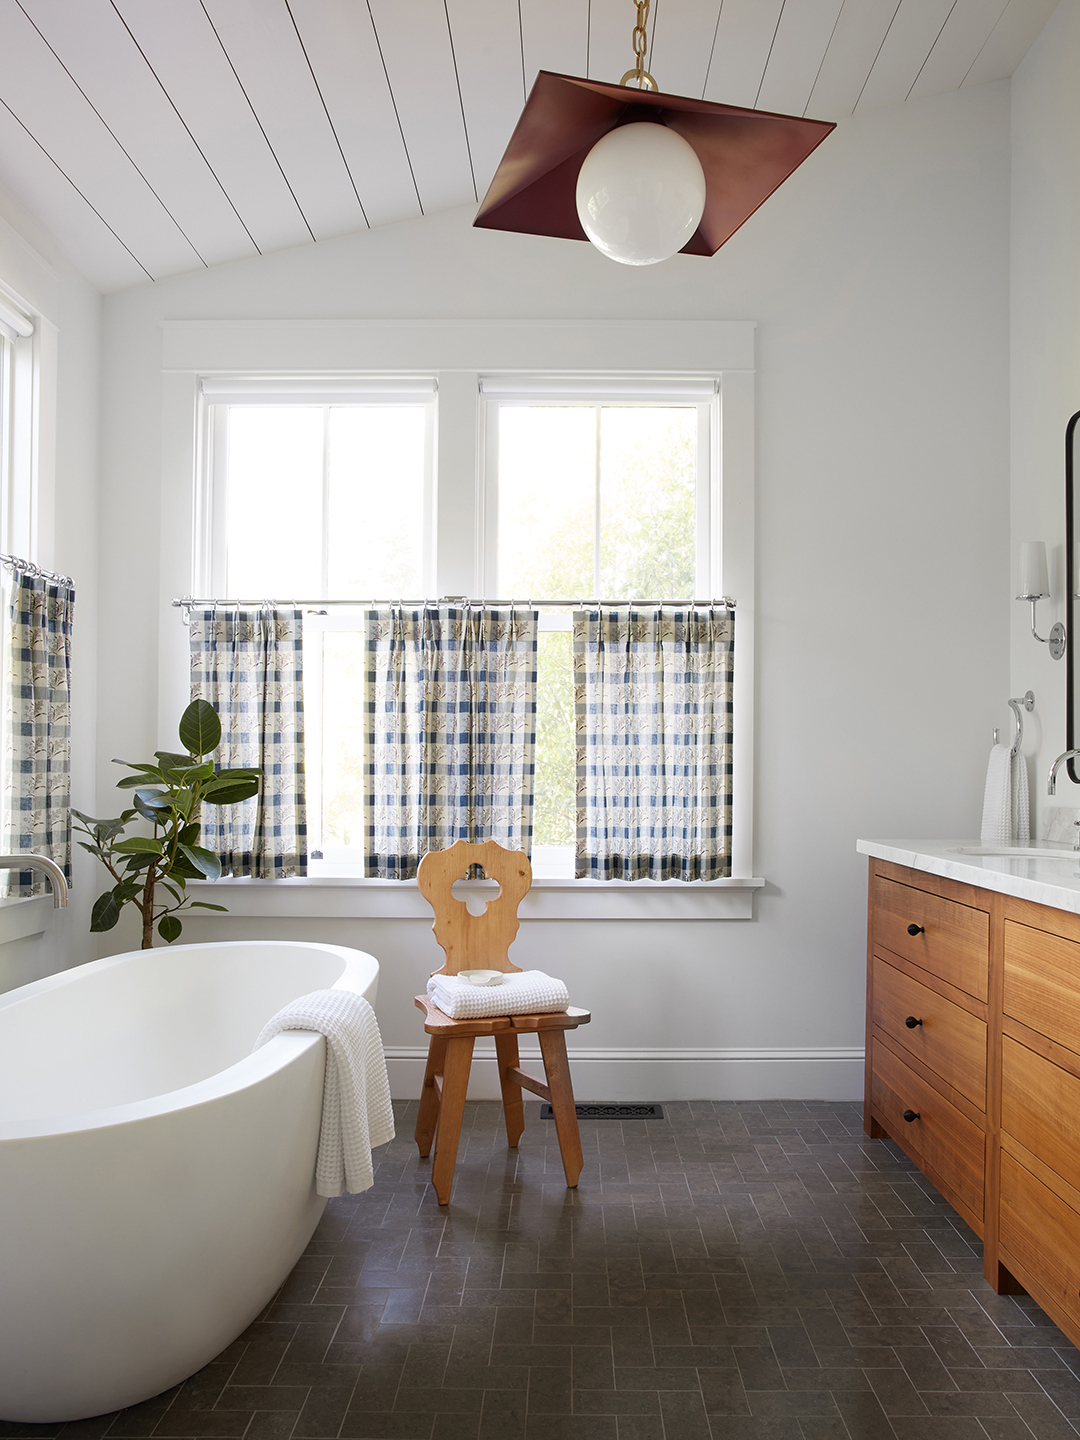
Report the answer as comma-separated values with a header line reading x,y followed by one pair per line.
x,y
459,354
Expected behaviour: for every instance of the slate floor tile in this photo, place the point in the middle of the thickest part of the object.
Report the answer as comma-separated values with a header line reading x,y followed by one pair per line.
x,y
738,1271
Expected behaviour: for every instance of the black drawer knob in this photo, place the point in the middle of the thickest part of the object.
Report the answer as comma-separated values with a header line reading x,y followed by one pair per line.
x,y
912,1023
914,929
910,1115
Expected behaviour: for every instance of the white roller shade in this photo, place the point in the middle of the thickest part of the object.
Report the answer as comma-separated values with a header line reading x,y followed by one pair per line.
x,y
315,390
14,324
592,389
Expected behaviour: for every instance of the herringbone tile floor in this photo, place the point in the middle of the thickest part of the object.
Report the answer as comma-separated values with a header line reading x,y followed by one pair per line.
x,y
736,1271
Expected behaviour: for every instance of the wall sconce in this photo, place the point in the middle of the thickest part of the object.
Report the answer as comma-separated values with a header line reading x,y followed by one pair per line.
x,y
1035,586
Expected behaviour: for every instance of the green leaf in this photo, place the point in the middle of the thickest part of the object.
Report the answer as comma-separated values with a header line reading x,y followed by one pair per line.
x,y
137,844
132,782
136,765
169,928
140,862
200,728
187,775
181,870
106,912
230,792
205,861
85,846
205,905
154,799
189,835
178,895
154,816
171,761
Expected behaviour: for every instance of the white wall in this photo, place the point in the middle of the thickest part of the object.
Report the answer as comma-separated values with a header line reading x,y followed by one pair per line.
x,y
878,277
32,266
1045,294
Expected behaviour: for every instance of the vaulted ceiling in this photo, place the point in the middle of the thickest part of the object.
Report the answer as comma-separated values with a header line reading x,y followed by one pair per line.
x,y
153,137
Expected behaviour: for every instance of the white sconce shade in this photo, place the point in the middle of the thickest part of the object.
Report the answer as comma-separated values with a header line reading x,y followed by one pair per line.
x,y
640,193
1034,577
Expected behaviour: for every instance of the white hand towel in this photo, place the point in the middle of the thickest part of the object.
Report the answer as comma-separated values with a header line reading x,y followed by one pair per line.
x,y
529,992
997,820
356,1111
1021,817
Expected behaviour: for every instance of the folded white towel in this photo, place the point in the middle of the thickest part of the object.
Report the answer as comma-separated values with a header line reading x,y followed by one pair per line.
x,y
529,992
356,1111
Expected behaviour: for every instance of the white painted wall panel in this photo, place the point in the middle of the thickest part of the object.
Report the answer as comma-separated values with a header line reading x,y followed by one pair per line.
x,y
180,46
555,36
262,44
802,41
488,50
1010,39
103,59
911,38
78,230
340,41
35,86
857,39
415,43
964,34
744,39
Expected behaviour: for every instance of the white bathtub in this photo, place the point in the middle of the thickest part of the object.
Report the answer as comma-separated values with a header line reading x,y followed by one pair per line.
x,y
156,1178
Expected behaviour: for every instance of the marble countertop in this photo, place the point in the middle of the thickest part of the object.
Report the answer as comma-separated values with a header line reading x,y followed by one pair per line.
x,y
1045,878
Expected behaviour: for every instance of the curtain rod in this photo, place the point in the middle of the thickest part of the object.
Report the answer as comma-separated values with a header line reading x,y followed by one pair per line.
x,y
724,603
30,568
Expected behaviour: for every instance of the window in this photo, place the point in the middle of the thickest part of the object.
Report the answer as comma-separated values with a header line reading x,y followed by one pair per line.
x,y
598,490
604,498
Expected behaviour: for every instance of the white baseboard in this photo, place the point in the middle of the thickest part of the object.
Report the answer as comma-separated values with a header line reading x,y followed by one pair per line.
x,y
824,1073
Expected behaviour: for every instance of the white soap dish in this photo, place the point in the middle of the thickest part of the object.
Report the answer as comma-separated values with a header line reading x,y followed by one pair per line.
x,y
481,977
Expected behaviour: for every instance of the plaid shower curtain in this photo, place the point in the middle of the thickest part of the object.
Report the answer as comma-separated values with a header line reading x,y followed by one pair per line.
x,y
249,665
39,725
654,727
451,703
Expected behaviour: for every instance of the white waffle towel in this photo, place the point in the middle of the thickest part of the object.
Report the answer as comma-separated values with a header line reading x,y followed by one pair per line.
x,y
529,992
1006,819
356,1110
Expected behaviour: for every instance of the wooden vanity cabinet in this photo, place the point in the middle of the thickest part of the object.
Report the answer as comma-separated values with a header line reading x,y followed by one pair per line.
x,y
973,1067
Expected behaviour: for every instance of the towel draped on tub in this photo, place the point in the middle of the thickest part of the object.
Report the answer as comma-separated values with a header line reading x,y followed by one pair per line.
x,y
356,1111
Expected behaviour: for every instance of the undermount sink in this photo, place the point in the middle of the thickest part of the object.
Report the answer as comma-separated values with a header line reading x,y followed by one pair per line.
x,y
1026,852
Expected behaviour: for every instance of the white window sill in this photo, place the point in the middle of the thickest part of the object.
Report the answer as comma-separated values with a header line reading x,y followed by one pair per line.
x,y
349,896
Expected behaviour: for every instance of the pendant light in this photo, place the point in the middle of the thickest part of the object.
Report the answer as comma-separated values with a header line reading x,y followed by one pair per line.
x,y
641,174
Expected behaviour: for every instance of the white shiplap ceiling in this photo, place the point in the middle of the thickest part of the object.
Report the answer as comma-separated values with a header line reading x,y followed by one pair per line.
x,y
153,137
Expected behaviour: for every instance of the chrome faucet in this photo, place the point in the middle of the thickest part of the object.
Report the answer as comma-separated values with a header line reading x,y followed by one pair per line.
x,y
48,868
1051,779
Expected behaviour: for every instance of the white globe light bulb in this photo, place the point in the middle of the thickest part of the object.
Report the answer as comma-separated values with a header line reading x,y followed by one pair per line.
x,y
640,193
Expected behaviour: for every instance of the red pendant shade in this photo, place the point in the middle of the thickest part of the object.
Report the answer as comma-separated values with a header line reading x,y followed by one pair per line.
x,y
745,154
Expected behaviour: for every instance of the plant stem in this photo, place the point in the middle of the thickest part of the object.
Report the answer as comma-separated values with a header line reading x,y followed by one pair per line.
x,y
147,908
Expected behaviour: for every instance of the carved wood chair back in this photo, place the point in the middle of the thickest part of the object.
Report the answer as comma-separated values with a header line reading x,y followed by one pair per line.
x,y
475,942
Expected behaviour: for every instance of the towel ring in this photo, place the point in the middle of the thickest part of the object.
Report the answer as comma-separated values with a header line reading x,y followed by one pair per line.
x,y
1027,700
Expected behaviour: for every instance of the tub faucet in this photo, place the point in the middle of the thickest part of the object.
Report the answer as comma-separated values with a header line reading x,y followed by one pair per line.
x,y
49,868
1051,779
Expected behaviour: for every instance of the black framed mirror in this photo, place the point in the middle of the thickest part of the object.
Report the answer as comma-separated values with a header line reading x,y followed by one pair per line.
x,y
1072,586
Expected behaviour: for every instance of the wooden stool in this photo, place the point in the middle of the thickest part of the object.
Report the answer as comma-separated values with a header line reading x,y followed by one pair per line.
x,y
481,942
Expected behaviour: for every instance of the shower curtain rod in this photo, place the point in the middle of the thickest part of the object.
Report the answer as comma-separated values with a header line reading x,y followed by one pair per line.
x,y
14,563
724,603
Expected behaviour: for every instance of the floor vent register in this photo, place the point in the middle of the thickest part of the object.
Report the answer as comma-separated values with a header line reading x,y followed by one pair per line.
x,y
610,1112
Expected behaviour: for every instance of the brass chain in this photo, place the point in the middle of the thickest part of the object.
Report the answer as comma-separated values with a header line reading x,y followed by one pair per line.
x,y
639,75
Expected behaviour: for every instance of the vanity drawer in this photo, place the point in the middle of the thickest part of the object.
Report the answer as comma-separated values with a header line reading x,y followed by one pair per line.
x,y
1040,1107
1040,1241
944,1144
1042,982
951,940
950,1040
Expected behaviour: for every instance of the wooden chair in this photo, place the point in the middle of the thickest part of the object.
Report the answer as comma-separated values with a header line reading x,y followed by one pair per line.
x,y
481,942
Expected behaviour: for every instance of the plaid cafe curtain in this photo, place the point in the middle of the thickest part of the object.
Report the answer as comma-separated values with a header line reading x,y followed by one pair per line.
x,y
451,703
249,665
39,725
654,727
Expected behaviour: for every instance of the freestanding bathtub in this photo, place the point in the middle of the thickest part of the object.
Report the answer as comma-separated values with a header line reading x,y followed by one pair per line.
x,y
156,1178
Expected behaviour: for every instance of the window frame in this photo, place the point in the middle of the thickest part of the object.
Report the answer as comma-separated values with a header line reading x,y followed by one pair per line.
x,y
459,353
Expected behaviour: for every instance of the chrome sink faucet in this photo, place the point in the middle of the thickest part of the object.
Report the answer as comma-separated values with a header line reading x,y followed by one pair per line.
x,y
1051,779
49,868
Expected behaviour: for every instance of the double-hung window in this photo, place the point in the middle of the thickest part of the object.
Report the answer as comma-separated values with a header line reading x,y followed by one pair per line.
x,y
582,489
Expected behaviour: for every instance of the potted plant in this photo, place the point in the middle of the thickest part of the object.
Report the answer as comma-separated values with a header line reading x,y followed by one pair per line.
x,y
151,871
